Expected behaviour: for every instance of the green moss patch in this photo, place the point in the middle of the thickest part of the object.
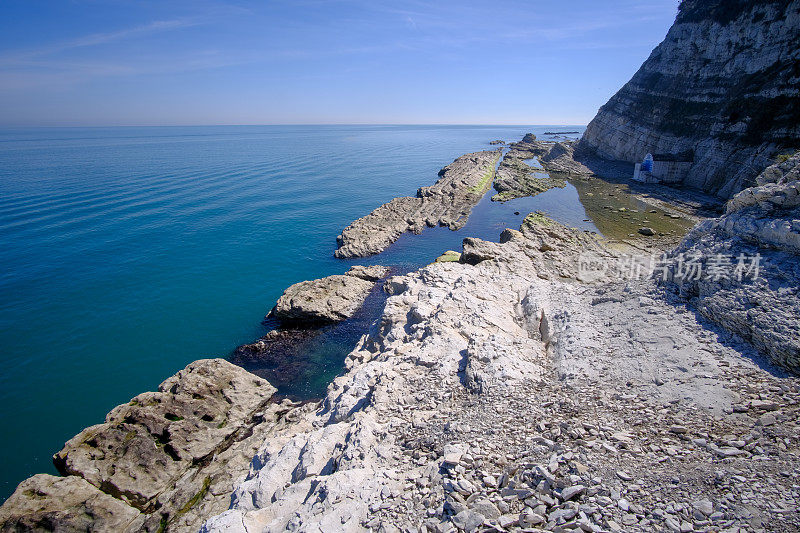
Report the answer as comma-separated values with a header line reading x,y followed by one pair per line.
x,y
196,498
449,256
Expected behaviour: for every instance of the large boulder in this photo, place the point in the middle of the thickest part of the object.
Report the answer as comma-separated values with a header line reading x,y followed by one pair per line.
x,y
161,462
330,299
144,446
49,503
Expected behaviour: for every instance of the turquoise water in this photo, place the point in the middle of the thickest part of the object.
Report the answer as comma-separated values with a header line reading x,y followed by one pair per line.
x,y
126,253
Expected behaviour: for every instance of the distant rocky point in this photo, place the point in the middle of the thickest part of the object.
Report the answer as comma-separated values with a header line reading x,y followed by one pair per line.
x,y
447,203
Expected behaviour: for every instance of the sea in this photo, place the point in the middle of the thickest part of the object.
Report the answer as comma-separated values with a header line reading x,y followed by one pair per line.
x,y
128,252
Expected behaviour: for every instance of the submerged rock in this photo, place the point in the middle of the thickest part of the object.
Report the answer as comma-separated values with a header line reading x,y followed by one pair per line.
x,y
447,203
329,299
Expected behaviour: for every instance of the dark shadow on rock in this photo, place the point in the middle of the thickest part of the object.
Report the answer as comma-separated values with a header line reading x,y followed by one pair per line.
x,y
724,337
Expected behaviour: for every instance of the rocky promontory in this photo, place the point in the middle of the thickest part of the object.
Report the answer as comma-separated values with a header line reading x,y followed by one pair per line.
x,y
512,389
505,391
509,392
162,462
447,203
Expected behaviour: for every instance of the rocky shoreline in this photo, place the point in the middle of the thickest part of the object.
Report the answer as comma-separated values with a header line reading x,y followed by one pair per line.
x,y
165,461
504,392
500,389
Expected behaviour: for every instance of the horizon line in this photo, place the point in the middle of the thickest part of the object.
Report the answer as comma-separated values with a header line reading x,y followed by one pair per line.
x,y
21,126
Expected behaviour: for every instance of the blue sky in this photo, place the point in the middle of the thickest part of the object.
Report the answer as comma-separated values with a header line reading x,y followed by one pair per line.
x,y
104,62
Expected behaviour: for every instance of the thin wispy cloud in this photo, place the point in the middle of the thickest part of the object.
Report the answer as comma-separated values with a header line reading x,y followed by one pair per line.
x,y
23,57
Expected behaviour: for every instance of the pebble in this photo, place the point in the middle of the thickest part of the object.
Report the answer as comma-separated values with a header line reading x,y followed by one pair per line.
x,y
452,454
767,419
468,520
570,492
623,504
624,476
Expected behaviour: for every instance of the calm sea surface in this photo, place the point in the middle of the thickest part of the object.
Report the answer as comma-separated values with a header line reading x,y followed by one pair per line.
x,y
126,253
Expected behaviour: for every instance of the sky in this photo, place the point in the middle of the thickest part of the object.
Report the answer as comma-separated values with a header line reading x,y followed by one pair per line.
x,y
191,62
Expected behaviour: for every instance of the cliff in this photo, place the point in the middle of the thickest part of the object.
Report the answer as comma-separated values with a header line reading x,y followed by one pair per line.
x,y
724,84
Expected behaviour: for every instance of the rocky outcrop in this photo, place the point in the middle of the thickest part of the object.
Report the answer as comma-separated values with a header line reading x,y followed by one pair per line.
x,y
503,393
49,503
161,462
448,203
330,299
516,178
723,84
749,265
561,159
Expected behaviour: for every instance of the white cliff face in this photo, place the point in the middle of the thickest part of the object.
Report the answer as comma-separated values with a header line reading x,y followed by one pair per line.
x,y
724,83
